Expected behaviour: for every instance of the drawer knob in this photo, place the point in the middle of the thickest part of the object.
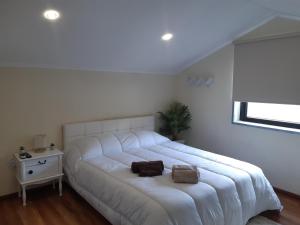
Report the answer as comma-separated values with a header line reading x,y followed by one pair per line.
x,y
43,162
30,172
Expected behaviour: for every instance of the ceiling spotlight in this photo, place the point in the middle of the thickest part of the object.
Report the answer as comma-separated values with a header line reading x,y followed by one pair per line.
x,y
51,14
167,37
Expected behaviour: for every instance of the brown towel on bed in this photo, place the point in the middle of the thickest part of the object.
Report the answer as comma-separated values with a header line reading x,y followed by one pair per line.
x,y
136,167
149,173
185,174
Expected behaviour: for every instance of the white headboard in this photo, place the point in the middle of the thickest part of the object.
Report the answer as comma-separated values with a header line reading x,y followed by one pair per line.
x,y
73,131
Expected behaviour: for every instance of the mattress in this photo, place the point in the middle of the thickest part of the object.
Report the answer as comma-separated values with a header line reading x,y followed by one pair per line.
x,y
230,192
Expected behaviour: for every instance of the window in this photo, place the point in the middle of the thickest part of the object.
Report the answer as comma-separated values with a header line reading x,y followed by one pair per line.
x,y
280,115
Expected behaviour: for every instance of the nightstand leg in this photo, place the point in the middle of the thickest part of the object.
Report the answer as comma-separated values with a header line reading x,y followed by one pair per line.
x,y
60,186
24,194
19,191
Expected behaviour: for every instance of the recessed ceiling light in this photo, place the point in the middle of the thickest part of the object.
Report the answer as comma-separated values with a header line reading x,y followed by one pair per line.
x,y
51,14
167,37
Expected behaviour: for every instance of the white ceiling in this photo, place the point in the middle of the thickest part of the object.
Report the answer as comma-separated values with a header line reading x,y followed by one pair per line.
x,y
288,7
124,35
276,27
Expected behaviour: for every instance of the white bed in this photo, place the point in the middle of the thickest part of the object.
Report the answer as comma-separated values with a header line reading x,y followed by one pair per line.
x,y
98,156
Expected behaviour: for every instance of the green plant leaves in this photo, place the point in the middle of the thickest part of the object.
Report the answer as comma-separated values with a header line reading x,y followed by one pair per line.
x,y
175,120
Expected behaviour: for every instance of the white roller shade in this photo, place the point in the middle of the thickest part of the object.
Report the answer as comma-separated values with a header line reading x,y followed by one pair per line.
x,y
268,71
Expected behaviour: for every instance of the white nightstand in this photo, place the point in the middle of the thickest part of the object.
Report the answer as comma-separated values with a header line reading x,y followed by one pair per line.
x,y
41,168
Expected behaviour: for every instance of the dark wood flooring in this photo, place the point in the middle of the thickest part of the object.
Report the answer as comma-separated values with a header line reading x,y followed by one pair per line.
x,y
291,211
45,207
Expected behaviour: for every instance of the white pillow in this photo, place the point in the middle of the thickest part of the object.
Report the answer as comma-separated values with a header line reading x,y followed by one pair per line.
x,y
109,143
159,138
128,140
89,147
149,138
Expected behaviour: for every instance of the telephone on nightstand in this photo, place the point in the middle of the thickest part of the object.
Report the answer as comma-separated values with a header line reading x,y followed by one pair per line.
x,y
23,154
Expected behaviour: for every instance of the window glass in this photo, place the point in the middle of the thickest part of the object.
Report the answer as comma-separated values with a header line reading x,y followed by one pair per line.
x,y
276,112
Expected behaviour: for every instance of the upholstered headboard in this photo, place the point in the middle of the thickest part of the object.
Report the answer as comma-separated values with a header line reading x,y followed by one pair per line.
x,y
74,131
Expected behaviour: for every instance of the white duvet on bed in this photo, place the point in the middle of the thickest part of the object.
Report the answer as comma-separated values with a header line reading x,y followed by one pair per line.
x,y
230,192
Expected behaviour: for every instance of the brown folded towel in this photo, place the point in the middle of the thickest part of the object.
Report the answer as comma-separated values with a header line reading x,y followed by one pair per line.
x,y
136,167
149,173
185,174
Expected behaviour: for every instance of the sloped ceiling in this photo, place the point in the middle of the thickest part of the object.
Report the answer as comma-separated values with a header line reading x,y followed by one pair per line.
x,y
124,35
275,27
288,7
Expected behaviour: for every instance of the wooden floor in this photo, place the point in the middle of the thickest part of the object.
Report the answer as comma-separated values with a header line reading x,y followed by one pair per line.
x,y
45,207
291,211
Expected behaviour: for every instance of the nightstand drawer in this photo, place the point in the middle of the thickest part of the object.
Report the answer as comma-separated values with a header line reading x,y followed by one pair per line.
x,y
42,161
41,168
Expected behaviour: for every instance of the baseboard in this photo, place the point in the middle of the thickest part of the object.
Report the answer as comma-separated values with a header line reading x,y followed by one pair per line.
x,y
9,196
290,194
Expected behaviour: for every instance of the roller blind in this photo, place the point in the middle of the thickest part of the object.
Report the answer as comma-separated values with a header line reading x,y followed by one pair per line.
x,y
267,71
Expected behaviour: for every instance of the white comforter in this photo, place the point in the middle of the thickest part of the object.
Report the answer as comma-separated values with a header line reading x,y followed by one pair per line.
x,y
229,192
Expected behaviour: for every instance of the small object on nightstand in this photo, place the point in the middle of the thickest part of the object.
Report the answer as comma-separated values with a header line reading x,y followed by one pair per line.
x,y
52,146
40,143
38,168
28,156
22,153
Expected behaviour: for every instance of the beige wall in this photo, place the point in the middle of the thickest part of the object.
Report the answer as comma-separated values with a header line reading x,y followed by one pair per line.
x,y
35,101
277,153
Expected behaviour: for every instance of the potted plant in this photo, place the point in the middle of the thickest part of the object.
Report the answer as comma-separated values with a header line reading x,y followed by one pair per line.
x,y
175,120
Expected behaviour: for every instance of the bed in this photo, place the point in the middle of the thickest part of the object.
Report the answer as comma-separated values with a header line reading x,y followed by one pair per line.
x,y
97,162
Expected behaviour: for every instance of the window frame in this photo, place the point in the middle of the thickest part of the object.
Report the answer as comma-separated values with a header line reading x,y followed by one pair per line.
x,y
243,117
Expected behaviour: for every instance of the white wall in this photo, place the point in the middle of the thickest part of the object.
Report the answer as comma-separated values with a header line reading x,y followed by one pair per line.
x,y
35,101
277,153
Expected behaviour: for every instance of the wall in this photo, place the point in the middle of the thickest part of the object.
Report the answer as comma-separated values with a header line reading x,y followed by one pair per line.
x,y
277,153
35,101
